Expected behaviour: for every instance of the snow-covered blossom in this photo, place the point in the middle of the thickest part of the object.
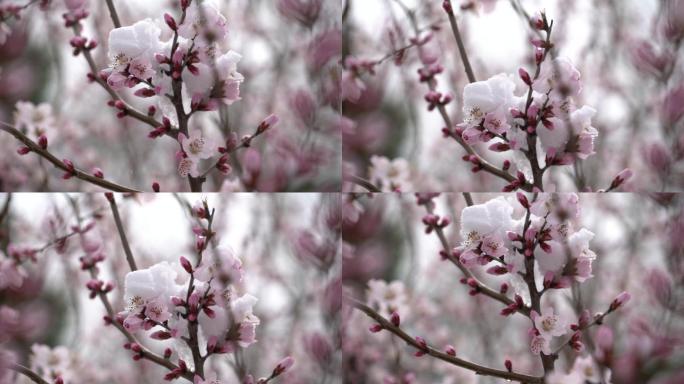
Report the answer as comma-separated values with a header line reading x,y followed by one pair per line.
x,y
135,46
549,324
492,96
390,175
483,230
36,119
387,298
144,285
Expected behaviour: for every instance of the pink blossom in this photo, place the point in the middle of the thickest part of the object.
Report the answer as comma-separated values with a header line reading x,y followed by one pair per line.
x,y
540,344
12,275
196,146
549,324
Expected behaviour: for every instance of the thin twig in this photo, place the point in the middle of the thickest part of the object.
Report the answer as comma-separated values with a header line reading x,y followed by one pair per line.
x,y
113,14
368,185
459,42
478,369
122,234
468,198
76,172
28,373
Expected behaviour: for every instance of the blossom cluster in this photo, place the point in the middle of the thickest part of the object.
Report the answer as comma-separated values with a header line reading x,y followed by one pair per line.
x,y
521,251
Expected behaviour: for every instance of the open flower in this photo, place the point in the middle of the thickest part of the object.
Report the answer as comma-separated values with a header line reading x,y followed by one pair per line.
x,y
37,119
204,21
548,323
560,76
135,44
483,97
489,221
144,286
540,344
387,298
390,175
576,138
197,147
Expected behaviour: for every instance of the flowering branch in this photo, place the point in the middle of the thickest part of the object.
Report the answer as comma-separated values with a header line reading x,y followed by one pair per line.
x,y
124,108
424,348
122,233
66,165
436,100
469,279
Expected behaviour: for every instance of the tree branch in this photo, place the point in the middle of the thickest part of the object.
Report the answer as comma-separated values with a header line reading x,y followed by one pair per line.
x,y
478,369
459,42
76,172
113,14
28,373
122,234
368,185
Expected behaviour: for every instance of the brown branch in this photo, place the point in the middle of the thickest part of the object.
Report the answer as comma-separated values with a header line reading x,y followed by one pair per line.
x,y
76,172
113,14
432,84
368,185
478,369
122,234
459,42
468,198
28,373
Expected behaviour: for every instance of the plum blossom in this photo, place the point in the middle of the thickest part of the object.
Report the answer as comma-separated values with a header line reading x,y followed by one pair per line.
x,y
540,344
559,77
390,175
492,96
210,379
37,119
204,21
209,86
188,166
224,265
155,284
196,146
134,47
51,362
239,317
483,229
574,137
586,369
549,324
387,298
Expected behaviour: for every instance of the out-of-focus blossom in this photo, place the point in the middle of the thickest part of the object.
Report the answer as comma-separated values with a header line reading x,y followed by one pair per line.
x,y
36,119
390,175
387,297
